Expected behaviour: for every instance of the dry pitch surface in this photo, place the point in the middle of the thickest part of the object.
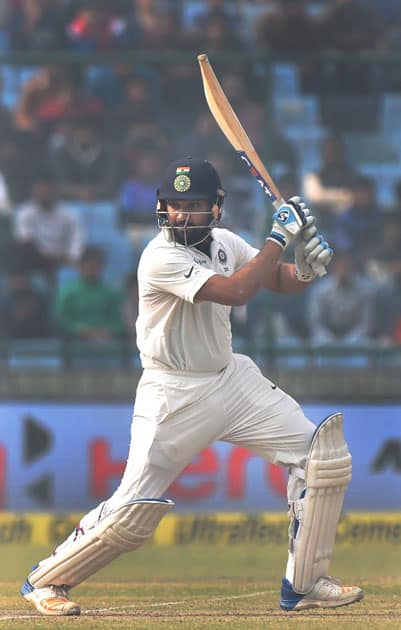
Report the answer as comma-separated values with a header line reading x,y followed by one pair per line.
x,y
208,587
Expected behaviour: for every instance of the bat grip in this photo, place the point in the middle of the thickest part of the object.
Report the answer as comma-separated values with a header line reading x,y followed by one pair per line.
x,y
318,269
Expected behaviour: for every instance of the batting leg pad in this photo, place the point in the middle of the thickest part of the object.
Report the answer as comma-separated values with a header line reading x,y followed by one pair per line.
x,y
315,516
125,529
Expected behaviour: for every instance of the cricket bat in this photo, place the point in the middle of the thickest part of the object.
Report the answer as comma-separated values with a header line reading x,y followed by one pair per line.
x,y
230,125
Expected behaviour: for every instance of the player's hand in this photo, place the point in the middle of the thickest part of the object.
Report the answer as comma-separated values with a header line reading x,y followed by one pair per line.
x,y
312,255
289,220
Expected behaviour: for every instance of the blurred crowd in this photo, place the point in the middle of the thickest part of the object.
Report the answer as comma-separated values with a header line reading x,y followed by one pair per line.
x,y
277,25
80,139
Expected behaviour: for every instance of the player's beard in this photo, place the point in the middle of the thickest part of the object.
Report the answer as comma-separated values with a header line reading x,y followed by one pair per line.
x,y
191,236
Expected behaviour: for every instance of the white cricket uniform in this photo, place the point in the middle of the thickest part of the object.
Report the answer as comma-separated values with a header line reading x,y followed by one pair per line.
x,y
194,390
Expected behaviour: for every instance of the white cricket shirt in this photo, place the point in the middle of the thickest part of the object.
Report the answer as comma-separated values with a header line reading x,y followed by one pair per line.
x,y
55,233
173,332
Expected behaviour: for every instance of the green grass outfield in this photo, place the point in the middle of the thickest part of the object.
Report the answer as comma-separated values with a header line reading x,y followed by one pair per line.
x,y
206,586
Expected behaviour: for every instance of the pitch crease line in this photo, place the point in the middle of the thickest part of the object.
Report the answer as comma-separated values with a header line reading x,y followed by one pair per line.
x,y
182,601
156,605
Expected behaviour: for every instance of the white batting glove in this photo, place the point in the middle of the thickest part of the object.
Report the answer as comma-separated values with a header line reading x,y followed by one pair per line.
x,y
288,221
312,255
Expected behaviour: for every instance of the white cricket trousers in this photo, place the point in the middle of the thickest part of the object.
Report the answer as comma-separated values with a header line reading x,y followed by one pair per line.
x,y
179,414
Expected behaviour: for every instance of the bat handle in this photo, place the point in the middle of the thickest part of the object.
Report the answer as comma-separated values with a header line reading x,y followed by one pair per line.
x,y
318,269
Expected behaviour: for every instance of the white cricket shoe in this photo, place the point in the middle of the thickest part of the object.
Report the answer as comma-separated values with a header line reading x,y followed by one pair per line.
x,y
50,600
326,593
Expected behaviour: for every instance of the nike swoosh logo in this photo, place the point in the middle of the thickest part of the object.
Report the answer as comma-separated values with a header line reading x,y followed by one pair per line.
x,y
187,275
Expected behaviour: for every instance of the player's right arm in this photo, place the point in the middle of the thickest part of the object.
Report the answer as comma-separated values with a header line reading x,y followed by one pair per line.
x,y
263,271
266,270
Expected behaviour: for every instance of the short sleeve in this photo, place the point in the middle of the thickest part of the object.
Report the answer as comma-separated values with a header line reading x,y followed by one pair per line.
x,y
176,272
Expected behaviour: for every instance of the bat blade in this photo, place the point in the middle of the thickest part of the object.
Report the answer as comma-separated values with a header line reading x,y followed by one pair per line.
x,y
231,127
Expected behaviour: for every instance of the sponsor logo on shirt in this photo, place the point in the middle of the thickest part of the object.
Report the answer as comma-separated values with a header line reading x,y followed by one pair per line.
x,y
222,256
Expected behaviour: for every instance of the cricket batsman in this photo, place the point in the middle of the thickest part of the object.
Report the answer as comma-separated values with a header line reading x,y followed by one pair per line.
x,y
194,390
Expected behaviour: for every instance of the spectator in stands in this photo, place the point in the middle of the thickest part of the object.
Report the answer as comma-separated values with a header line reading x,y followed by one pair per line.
x,y
350,26
24,309
290,30
249,15
153,25
84,163
136,106
397,194
96,26
137,194
46,235
217,34
288,184
202,139
356,228
180,97
196,14
140,137
88,308
384,259
243,194
36,25
71,102
291,317
329,189
108,82
347,86
388,310
47,84
17,168
5,114
341,306
53,96
143,22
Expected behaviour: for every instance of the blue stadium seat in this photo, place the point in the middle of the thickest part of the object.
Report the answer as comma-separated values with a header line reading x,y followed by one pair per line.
x,y
13,78
121,257
391,113
34,353
386,177
295,110
303,133
98,222
101,219
371,148
285,78
97,219
65,275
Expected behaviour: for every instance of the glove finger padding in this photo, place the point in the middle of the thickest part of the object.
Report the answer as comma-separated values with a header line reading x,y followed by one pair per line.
x,y
297,201
321,254
309,230
312,243
312,254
